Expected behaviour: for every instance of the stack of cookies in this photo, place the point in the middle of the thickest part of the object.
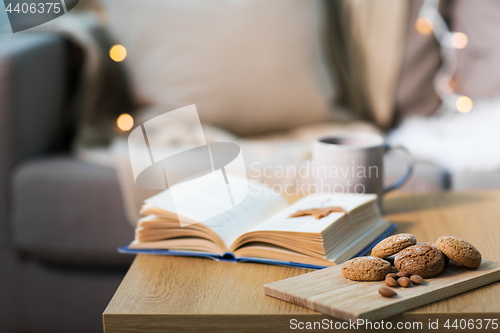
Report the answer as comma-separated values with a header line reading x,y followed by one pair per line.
x,y
413,262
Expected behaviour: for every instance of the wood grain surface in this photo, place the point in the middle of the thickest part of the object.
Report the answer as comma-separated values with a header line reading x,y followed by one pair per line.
x,y
328,292
161,294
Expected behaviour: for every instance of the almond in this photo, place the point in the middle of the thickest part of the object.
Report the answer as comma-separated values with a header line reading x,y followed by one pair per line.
x,y
404,282
392,275
417,279
386,292
403,274
391,282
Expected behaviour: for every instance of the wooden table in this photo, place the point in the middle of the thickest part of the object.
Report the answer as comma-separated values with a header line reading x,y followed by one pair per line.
x,y
169,294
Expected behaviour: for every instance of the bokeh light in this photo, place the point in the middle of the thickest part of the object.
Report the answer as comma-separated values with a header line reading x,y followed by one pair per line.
x,y
464,104
446,85
424,25
117,52
125,122
459,40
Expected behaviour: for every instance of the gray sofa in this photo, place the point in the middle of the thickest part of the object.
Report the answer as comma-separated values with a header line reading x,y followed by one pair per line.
x,y
61,219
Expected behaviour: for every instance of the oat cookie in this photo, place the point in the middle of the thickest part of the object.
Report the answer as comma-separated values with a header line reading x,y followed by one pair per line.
x,y
366,269
460,251
424,260
393,244
446,259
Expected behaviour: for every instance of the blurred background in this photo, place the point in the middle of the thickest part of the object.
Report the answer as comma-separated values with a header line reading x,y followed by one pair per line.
x,y
271,76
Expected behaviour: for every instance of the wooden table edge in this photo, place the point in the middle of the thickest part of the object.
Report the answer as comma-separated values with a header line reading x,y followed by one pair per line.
x,y
264,323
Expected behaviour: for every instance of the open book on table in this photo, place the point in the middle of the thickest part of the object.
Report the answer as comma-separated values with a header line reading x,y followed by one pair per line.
x,y
260,228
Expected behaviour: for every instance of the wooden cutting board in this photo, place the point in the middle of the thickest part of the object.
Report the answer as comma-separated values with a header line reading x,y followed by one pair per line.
x,y
327,291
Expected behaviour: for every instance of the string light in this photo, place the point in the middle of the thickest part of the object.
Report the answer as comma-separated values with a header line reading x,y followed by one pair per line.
x,y
446,85
125,122
423,25
464,104
459,40
118,52
430,20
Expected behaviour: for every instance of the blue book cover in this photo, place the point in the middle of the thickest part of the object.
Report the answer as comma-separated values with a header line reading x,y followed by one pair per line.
x,y
230,257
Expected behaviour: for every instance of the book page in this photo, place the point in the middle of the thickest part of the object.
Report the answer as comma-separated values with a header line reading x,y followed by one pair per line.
x,y
309,224
197,200
198,203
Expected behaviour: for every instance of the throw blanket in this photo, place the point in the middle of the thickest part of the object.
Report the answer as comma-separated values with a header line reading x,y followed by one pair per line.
x,y
101,92
456,141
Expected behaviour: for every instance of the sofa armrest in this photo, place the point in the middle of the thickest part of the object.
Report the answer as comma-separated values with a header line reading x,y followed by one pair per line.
x,y
32,98
33,92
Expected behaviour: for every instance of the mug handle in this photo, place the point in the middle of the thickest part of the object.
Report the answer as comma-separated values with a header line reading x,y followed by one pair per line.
x,y
409,171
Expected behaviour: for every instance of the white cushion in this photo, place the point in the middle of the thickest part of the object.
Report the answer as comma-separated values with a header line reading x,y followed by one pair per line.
x,y
250,66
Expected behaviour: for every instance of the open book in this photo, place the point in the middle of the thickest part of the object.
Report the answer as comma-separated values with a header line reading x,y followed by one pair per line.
x,y
260,228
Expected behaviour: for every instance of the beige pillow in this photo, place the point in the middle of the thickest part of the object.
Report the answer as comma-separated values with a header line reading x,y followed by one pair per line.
x,y
249,66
